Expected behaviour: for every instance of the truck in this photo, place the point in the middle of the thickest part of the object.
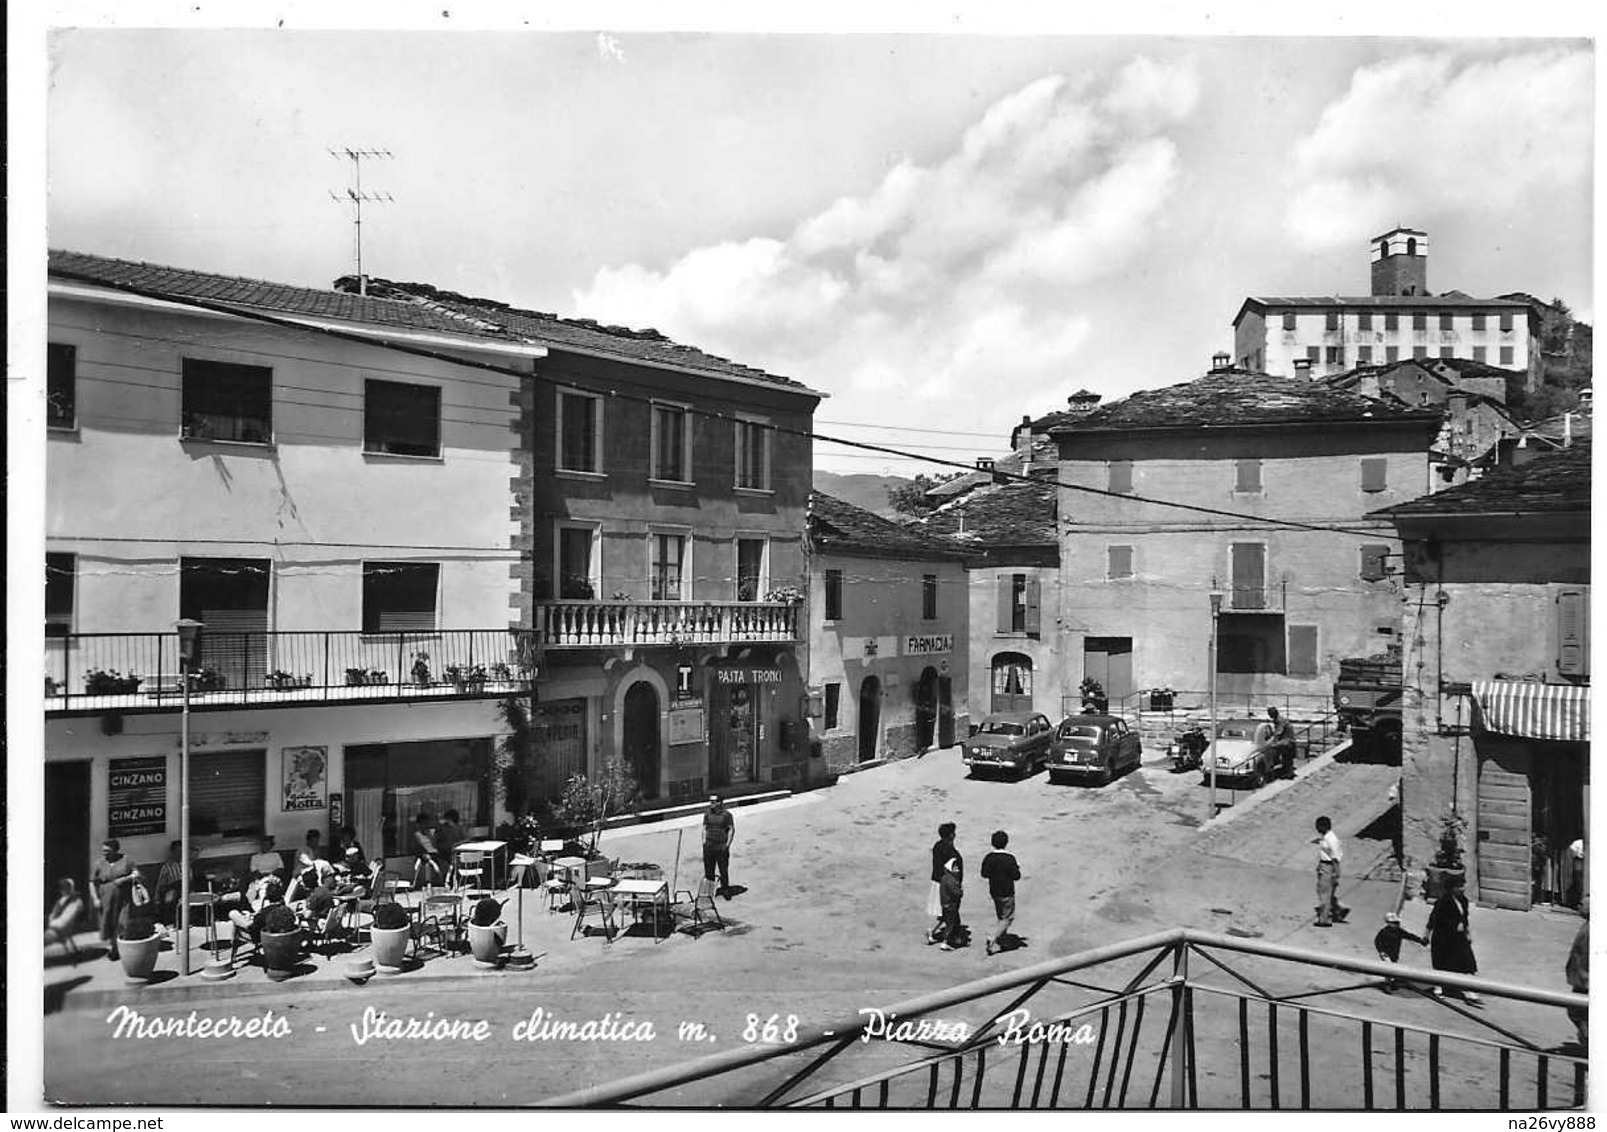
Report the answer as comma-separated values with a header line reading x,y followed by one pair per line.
x,y
1367,697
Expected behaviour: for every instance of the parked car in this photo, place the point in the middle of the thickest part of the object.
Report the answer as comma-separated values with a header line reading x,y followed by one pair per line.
x,y
1093,748
1235,755
1015,741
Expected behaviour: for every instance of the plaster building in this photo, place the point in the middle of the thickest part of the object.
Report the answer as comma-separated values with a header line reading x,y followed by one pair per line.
x,y
1496,698
888,636
1399,319
1281,473
659,508
322,480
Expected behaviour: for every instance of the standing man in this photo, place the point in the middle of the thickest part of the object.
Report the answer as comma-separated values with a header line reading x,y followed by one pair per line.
x,y
1282,742
719,830
1002,872
1329,910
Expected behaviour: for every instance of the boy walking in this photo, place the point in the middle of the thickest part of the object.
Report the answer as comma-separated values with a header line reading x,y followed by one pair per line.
x,y
1388,945
1329,910
1002,871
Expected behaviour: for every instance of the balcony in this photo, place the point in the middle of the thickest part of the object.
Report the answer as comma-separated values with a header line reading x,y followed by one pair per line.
x,y
139,672
642,624
1251,598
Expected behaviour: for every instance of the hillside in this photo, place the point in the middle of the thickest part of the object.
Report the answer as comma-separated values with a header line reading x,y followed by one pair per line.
x,y
860,489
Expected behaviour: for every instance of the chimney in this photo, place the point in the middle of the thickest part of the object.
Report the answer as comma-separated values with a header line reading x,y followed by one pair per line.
x,y
1220,361
1082,402
984,463
1021,438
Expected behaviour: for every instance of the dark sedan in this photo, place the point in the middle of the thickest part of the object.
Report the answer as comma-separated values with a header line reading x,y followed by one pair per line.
x,y
1093,748
1015,741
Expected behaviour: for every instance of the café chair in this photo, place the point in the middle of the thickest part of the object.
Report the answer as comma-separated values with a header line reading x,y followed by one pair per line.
x,y
696,901
600,874
471,867
601,899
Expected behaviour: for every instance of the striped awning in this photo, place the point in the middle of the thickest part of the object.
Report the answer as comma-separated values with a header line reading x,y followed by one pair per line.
x,y
1534,711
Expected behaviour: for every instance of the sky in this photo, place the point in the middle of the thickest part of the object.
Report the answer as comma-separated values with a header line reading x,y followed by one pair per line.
x,y
944,232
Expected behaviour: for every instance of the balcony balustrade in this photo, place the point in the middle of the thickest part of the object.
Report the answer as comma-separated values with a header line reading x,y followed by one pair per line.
x,y
140,671
631,624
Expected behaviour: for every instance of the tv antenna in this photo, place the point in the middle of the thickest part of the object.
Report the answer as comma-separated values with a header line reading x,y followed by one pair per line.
x,y
356,197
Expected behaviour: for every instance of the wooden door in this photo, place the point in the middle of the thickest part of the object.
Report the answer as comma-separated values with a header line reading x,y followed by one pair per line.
x,y
642,736
870,717
1503,830
926,709
1012,683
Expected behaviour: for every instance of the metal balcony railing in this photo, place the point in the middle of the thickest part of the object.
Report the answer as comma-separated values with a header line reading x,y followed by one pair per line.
x,y
622,624
140,671
1177,1020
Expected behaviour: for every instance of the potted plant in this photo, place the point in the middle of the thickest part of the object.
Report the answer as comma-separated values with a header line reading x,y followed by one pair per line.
x,y
50,687
586,804
421,668
487,933
1160,699
391,930
785,595
207,679
280,942
501,673
378,676
279,680
139,942
99,682
1448,856
356,676
1093,696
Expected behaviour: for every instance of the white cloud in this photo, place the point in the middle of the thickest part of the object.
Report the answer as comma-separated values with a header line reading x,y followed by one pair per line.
x,y
971,272
1442,134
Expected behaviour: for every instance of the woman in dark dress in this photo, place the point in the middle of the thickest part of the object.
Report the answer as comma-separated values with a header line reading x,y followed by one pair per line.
x,y
1450,938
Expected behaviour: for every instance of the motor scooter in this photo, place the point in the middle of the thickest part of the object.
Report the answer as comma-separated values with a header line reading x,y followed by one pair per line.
x,y
1187,750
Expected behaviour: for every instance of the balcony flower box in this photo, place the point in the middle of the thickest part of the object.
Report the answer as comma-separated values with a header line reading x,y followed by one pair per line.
x,y
100,682
207,679
357,677
284,681
466,678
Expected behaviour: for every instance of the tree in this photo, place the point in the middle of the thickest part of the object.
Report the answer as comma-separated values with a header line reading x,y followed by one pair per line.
x,y
589,802
910,498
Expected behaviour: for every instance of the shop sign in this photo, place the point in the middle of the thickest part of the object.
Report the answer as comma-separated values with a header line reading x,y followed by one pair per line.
x,y
747,675
305,777
929,646
686,723
136,795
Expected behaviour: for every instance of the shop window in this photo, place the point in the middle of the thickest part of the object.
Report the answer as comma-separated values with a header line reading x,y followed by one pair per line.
x,y
580,426
399,597
61,385
225,401
389,784
400,419
60,576
834,595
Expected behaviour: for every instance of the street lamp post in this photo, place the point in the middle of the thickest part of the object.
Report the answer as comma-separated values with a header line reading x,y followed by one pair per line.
x,y
1216,615
189,635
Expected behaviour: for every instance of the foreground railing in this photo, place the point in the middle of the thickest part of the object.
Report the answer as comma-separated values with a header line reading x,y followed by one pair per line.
x,y
1179,1020
620,624
131,671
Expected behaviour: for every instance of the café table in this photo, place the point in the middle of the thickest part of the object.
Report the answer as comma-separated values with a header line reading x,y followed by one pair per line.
x,y
655,893
496,852
572,870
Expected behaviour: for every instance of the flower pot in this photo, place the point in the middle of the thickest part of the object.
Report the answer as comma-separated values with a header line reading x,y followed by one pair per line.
x,y
139,957
485,943
390,944
281,951
1435,881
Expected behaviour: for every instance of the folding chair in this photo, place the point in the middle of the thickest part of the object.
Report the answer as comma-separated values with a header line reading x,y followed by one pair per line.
x,y
696,901
470,866
602,900
442,917
329,929
556,887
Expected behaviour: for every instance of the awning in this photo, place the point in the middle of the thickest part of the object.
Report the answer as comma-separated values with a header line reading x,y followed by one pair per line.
x,y
1534,711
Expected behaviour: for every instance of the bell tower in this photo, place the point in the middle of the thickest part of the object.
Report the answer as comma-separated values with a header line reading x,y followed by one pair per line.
x,y
1400,262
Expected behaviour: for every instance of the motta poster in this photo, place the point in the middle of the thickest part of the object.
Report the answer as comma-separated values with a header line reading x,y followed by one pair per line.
x,y
306,778
136,796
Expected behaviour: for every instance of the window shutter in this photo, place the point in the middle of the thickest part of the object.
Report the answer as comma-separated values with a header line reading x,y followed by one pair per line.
x,y
1572,625
228,792
1302,650
1248,475
1373,563
1121,561
1249,575
1121,475
1006,602
1288,320
1031,599
1373,473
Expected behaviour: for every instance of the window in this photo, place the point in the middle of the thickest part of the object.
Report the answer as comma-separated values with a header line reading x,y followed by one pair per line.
x,y
1250,643
1018,604
834,700
228,793
753,455
1247,475
928,597
1331,320
1373,563
579,425
1248,563
1303,650
1392,320
1364,355
61,385
399,597
667,565
1121,476
1447,320
1392,353
401,419
670,447
1288,320
1506,321
225,401
1313,354
1478,322
1364,320
1447,351
1480,353
1119,562
60,573
834,595
577,577
1506,355
1419,320
1336,355
1374,473
750,568
1419,352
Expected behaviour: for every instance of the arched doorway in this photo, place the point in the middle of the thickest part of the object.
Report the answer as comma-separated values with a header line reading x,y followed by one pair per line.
x,y
945,712
926,709
1012,682
641,742
870,717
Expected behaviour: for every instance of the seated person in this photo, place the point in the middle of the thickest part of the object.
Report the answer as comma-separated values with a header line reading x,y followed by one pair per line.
x,y
267,862
65,915
312,851
262,894
350,846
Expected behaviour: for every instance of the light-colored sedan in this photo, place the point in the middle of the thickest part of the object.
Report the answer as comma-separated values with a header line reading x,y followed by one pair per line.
x,y
1240,753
